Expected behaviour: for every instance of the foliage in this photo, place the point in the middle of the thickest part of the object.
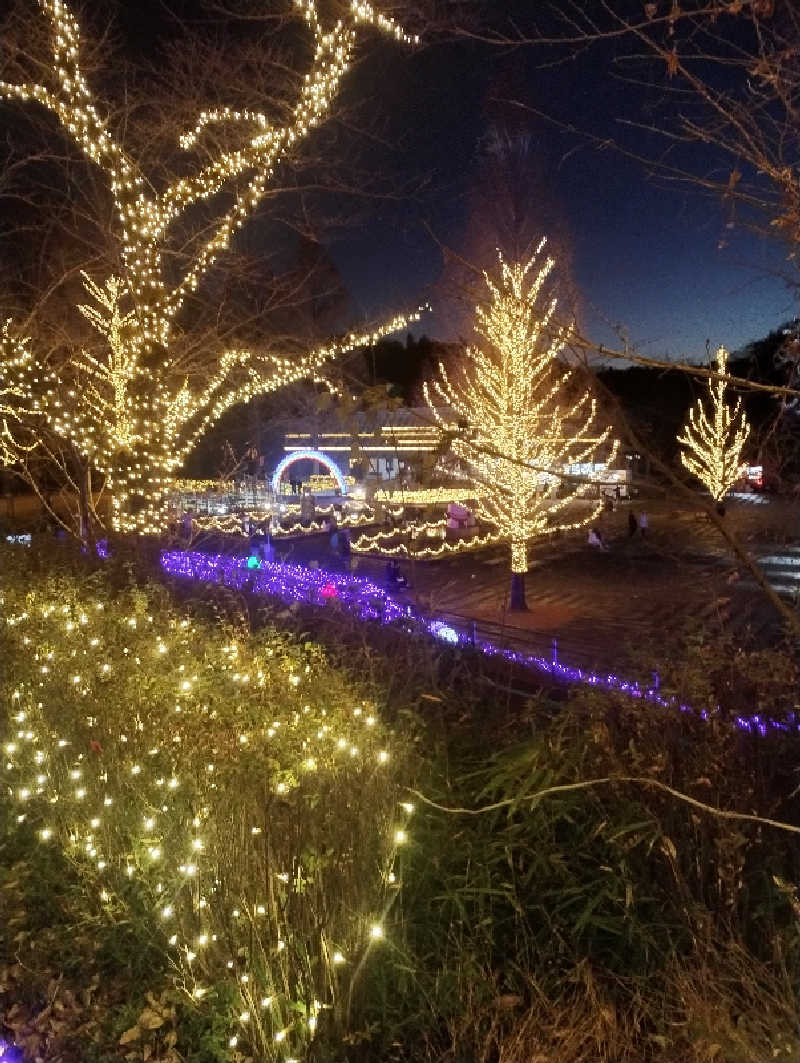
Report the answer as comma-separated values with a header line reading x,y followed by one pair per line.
x,y
610,922
70,976
232,793
606,923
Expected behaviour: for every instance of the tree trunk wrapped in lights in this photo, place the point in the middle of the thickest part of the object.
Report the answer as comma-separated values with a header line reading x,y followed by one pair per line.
x,y
713,441
137,413
523,426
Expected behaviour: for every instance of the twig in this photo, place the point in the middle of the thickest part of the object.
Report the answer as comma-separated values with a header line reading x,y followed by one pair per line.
x,y
586,784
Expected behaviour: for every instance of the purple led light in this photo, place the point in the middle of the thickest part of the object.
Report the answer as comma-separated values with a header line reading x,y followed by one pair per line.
x,y
291,583
8,1053
367,601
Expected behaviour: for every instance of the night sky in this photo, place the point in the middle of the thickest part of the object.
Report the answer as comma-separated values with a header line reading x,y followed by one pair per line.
x,y
653,257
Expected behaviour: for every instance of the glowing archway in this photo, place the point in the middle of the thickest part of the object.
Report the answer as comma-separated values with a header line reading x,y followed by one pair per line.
x,y
308,455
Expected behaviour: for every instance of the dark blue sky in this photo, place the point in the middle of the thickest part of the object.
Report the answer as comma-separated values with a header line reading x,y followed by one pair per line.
x,y
652,257
645,255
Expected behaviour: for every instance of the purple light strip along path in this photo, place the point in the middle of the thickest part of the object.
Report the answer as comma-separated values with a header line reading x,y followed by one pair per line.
x,y
368,601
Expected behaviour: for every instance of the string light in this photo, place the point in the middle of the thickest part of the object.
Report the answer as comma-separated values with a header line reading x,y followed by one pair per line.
x,y
522,430
423,496
376,544
370,603
170,829
18,404
133,415
233,524
292,583
712,445
306,454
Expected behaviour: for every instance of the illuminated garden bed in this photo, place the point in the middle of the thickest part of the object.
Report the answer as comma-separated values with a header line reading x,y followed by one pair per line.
x,y
367,601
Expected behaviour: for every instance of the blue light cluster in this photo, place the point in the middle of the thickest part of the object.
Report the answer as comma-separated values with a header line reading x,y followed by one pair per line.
x,y
293,583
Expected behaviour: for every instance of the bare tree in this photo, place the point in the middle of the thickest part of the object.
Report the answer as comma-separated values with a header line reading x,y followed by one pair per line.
x,y
719,75
135,407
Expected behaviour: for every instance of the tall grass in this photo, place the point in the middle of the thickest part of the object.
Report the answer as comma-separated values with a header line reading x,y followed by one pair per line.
x,y
236,786
610,923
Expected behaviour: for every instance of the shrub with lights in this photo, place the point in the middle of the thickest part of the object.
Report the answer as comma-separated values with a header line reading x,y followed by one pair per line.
x,y
238,783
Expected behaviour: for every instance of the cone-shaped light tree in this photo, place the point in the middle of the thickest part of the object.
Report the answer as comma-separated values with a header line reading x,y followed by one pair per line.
x,y
524,426
714,435
136,411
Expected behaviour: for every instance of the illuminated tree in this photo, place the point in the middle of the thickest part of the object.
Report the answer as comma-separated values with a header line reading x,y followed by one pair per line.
x,y
713,442
137,410
17,406
28,443
524,427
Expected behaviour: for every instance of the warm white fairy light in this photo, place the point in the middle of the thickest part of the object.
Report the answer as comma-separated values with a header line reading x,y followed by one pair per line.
x,y
713,442
18,402
521,428
422,496
234,524
60,764
132,414
379,544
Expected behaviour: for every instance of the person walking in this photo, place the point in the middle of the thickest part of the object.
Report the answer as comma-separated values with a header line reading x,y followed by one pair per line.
x,y
596,539
632,524
644,524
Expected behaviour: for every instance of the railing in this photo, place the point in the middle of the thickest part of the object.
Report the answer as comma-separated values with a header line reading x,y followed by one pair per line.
x,y
576,652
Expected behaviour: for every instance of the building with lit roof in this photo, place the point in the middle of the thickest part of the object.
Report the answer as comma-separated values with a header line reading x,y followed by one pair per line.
x,y
375,446
397,446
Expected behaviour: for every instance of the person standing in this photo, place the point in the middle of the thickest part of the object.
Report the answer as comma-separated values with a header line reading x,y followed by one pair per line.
x,y
644,524
632,524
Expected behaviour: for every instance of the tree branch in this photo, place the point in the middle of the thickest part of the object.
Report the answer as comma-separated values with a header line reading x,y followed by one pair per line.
x,y
611,780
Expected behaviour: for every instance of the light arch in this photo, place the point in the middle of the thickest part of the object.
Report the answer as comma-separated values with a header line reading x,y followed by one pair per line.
x,y
308,455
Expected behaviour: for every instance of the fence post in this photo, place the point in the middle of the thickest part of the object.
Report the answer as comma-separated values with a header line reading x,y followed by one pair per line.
x,y
474,633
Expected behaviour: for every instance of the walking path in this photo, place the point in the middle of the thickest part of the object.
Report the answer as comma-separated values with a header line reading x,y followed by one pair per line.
x,y
605,609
